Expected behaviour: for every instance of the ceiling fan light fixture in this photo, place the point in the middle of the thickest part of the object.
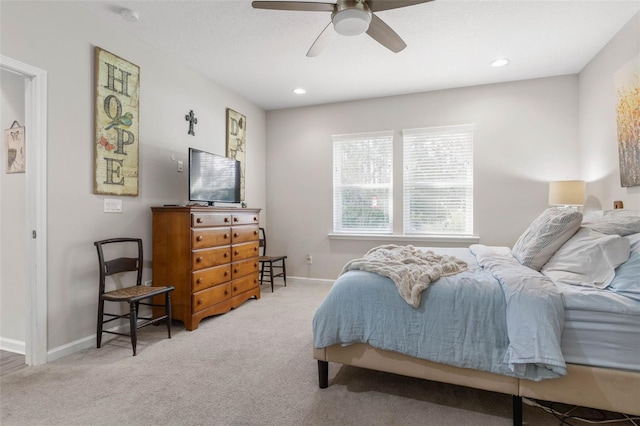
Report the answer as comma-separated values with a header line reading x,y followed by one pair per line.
x,y
351,22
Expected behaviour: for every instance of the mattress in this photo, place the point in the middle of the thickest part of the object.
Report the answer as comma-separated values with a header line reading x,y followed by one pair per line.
x,y
601,339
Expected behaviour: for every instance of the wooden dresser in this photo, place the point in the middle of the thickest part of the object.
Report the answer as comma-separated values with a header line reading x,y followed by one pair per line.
x,y
210,256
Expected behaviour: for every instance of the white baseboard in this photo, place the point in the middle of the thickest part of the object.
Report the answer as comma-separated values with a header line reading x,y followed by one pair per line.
x,y
303,280
84,343
11,345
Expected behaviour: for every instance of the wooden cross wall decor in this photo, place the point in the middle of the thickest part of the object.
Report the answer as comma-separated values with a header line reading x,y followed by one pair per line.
x,y
192,121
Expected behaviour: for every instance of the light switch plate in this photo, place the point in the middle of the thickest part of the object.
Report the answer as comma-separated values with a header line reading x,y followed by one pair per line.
x,y
112,205
180,166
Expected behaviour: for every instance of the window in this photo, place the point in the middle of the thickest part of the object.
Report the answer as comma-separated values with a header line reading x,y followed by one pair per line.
x,y
363,183
438,180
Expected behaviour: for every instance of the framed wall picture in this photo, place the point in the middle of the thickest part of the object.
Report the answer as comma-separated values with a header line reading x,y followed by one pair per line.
x,y
627,81
117,125
237,142
14,138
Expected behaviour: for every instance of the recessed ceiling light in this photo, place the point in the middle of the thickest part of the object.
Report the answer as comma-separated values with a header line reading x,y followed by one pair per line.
x,y
129,15
299,91
500,62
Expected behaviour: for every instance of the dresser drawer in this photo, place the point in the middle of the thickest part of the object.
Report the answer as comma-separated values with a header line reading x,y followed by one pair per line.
x,y
210,237
244,284
245,218
210,277
210,219
202,259
244,251
244,267
244,234
211,296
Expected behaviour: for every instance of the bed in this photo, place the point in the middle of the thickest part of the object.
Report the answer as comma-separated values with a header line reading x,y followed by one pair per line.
x,y
555,318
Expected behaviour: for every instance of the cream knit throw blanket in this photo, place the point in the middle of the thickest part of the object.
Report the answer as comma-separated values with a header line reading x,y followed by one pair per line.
x,y
412,270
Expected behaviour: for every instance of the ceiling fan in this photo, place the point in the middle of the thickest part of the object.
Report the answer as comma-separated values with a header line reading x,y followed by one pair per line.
x,y
348,17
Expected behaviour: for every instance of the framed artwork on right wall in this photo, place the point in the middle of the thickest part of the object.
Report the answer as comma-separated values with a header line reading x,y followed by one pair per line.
x,y
627,82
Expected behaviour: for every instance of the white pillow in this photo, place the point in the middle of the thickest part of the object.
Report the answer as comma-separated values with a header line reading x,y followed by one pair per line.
x,y
621,222
545,235
588,259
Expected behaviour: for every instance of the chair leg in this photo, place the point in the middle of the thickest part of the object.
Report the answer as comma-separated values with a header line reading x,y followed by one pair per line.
x,y
133,322
100,319
284,273
261,272
168,312
271,275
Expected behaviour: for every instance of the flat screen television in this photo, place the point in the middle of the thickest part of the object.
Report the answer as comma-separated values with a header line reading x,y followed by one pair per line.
x,y
213,178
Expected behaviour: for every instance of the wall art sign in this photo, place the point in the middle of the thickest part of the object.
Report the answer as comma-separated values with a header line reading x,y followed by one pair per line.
x,y
627,81
237,142
117,125
14,138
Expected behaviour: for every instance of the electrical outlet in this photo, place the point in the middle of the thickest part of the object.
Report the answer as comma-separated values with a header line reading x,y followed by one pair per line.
x,y
309,259
148,283
112,205
180,166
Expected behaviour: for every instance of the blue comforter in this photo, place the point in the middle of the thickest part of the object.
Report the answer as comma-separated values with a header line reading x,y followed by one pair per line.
x,y
474,319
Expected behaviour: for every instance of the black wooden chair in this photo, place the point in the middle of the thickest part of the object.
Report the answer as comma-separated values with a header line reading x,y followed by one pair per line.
x,y
270,263
133,295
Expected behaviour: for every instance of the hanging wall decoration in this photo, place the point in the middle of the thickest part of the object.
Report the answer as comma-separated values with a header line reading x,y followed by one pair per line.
x,y
236,142
117,125
627,81
14,137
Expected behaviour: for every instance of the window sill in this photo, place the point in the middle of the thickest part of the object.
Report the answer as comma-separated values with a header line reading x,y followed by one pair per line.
x,y
457,239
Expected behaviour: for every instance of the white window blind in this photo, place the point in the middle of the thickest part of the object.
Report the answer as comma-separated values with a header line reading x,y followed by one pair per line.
x,y
438,180
363,182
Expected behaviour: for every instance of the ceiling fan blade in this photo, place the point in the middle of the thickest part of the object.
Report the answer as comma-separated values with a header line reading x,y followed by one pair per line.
x,y
306,6
384,35
378,5
321,42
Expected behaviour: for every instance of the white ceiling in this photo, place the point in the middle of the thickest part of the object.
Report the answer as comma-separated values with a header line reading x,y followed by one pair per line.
x,y
261,54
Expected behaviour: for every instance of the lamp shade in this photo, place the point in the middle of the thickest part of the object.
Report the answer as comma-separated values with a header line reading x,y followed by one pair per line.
x,y
566,193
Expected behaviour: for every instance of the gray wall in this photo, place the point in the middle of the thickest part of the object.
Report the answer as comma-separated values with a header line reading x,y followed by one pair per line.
x,y
598,135
526,134
168,91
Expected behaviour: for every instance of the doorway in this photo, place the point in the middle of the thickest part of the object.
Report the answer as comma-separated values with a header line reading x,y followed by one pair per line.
x,y
35,93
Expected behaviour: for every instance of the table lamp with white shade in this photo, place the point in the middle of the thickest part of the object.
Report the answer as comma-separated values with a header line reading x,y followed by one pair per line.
x,y
566,193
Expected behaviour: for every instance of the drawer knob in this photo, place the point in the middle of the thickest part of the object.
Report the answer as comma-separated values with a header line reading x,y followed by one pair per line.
x,y
199,259
199,238
235,219
226,273
255,219
199,302
235,288
235,271
236,252
199,220
199,281
226,254
226,220
226,292
226,236
235,234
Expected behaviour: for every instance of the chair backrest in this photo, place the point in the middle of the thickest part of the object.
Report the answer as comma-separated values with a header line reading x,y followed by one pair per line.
x,y
263,242
119,264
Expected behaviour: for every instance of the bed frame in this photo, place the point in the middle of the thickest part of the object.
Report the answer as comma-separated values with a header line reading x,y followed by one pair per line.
x,y
602,388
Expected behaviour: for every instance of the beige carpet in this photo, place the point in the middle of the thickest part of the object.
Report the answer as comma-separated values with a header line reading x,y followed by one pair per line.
x,y
251,366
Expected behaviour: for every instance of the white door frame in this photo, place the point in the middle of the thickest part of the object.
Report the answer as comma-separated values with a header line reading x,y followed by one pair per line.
x,y
35,96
